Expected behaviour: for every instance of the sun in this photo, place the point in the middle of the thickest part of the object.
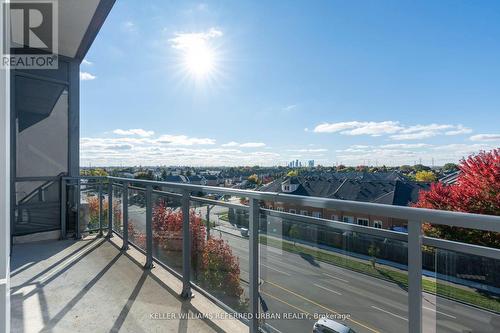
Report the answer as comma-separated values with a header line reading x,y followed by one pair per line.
x,y
199,60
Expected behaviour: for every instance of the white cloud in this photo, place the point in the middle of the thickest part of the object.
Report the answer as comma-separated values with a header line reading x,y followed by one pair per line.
x,y
230,144
135,131
485,137
406,145
189,41
395,129
86,76
359,128
244,145
290,107
460,129
184,140
398,154
129,26
311,150
167,150
87,62
252,144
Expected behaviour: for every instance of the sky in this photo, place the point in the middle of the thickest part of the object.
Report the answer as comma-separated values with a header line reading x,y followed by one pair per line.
x,y
223,83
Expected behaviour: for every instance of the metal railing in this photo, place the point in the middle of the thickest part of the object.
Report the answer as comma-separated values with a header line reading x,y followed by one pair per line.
x,y
414,238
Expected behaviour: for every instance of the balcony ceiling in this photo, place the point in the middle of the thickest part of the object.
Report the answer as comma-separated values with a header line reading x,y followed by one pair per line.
x,y
79,23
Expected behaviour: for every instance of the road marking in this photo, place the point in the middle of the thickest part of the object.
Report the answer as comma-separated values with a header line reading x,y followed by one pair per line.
x,y
337,278
332,291
285,302
444,314
322,306
392,314
274,269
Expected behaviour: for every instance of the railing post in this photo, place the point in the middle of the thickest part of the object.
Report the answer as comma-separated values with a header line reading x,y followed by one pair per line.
x,y
208,221
63,208
186,247
100,210
78,199
110,209
254,264
125,216
149,227
415,277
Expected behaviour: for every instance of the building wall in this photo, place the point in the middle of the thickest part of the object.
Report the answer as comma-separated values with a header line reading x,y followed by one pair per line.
x,y
4,197
386,222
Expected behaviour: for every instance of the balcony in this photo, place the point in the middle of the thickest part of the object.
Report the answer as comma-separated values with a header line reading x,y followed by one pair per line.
x,y
285,270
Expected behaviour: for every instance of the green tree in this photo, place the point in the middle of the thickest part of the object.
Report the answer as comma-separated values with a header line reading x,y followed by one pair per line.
x,y
450,167
292,173
294,233
373,252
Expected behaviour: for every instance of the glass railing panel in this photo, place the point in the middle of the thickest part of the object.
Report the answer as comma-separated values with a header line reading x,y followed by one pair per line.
x,y
137,217
311,269
167,230
220,263
89,206
461,292
118,208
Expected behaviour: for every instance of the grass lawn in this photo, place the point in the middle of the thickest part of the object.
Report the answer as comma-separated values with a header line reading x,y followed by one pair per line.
x,y
400,278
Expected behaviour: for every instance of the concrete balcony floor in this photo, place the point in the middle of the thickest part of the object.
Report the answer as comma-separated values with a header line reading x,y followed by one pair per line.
x,y
90,286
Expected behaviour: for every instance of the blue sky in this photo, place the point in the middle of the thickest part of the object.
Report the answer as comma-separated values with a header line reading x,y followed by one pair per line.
x,y
247,82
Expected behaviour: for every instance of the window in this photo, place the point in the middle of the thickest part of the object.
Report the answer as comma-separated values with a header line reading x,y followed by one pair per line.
x,y
377,224
287,188
335,217
292,211
348,219
279,209
304,212
364,222
270,207
317,214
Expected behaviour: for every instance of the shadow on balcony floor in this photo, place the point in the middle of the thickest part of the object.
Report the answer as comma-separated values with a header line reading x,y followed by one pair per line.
x,y
90,286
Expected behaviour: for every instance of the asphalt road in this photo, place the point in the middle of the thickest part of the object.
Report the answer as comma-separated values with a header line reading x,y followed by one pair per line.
x,y
297,284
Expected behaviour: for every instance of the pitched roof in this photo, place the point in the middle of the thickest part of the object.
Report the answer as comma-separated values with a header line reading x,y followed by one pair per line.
x,y
395,192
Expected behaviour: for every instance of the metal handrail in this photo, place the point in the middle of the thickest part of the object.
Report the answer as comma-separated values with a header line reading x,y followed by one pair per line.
x,y
414,238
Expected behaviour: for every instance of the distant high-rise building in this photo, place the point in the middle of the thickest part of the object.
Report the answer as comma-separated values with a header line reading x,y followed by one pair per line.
x,y
310,163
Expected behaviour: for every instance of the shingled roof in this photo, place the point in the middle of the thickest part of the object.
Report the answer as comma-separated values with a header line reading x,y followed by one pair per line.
x,y
397,192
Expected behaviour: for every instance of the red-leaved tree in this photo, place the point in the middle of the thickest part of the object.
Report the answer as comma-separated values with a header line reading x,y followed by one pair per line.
x,y
213,258
477,190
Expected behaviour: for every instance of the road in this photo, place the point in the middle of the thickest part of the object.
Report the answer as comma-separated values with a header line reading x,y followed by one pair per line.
x,y
292,283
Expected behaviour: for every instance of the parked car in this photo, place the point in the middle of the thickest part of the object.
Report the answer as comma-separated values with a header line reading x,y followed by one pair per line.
x,y
325,325
244,232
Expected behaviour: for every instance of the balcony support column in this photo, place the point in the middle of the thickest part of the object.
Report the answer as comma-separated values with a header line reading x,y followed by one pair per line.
x,y
78,201
125,216
253,226
100,210
149,227
186,247
64,204
414,276
110,209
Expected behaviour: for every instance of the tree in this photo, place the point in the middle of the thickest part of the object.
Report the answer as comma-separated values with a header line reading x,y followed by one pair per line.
x,y
145,175
477,190
292,173
420,167
450,167
373,252
425,176
254,179
95,172
294,233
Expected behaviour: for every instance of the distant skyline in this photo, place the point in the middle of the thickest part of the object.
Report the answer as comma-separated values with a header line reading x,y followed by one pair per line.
x,y
245,83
